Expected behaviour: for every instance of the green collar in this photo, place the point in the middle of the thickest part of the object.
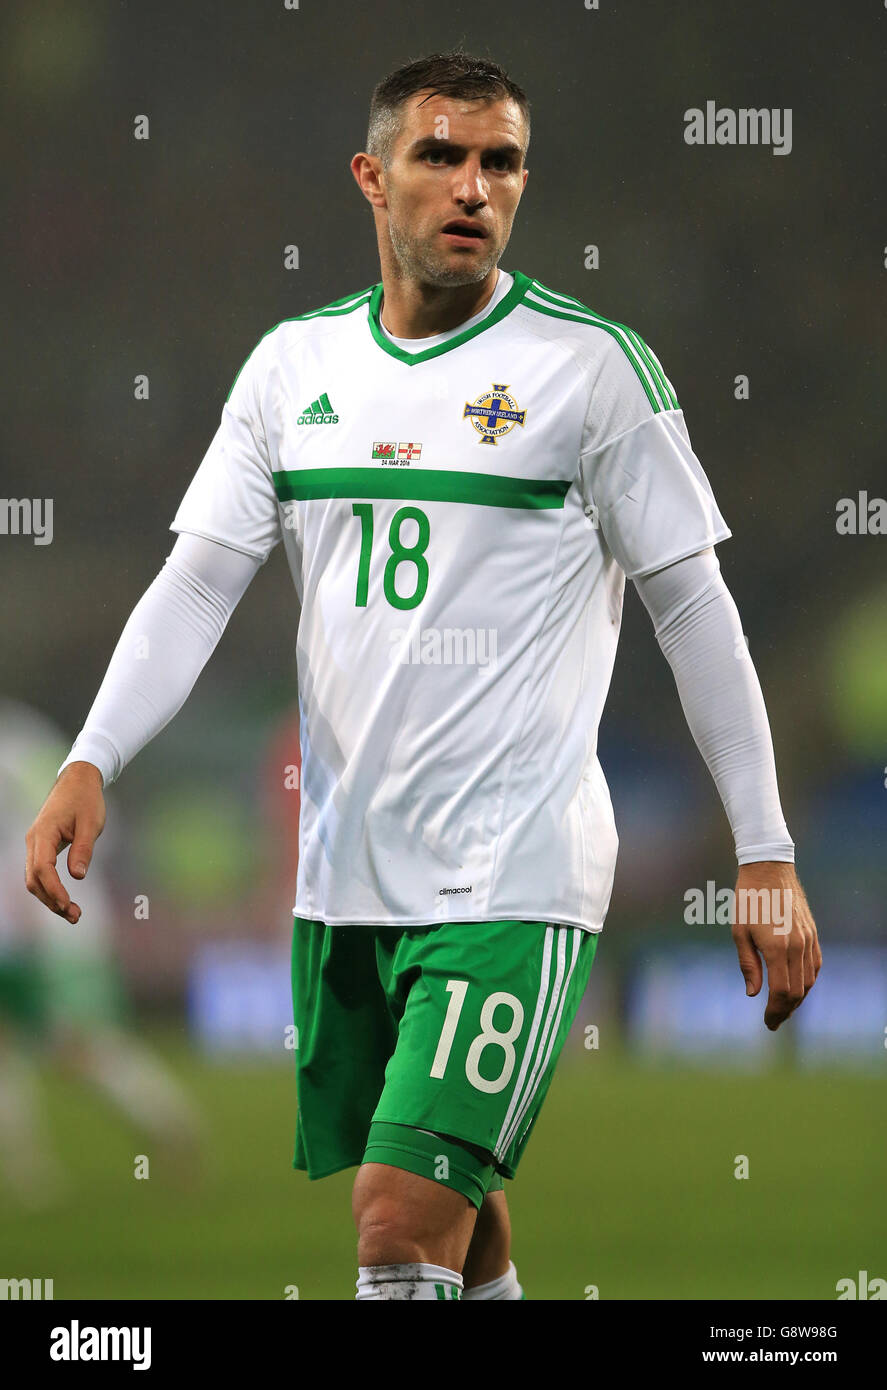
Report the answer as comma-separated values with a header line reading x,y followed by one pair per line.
x,y
514,296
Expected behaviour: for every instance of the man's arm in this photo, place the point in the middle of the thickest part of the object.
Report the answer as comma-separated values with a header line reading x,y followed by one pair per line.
x,y
168,639
659,518
700,633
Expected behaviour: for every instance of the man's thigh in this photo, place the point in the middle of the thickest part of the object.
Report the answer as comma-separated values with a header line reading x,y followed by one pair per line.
x,y
344,1035
484,1010
430,1049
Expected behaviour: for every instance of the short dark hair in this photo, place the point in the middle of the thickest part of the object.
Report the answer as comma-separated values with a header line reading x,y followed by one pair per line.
x,y
454,74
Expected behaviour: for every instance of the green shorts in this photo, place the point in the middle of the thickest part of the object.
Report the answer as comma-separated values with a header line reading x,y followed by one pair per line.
x,y
58,988
445,1032
22,996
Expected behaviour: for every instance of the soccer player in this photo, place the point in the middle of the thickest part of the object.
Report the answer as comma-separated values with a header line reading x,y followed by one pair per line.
x,y
60,998
463,466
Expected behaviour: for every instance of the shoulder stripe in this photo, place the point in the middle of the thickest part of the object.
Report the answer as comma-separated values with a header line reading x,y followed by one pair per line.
x,y
659,390
572,315
661,373
670,396
339,306
647,353
647,366
332,310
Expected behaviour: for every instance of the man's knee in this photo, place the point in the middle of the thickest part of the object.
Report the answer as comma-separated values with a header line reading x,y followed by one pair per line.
x,y
403,1218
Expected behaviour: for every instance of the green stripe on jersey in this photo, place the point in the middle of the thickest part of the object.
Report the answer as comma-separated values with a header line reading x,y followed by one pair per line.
x,y
658,388
340,306
427,485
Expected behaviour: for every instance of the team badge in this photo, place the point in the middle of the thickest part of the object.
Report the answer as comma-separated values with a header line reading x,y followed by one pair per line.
x,y
493,414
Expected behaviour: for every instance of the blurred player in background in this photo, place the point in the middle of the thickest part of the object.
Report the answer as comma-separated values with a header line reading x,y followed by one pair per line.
x,y
61,998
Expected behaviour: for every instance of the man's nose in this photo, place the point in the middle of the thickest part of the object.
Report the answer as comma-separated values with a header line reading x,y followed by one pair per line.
x,y
471,185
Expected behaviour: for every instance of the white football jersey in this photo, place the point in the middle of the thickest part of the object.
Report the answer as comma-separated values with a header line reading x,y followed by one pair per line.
x,y
459,521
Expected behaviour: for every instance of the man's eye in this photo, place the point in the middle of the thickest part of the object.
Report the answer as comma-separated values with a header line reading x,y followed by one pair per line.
x,y
434,155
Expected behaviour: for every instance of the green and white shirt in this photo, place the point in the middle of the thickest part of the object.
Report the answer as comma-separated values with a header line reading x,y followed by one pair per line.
x,y
459,521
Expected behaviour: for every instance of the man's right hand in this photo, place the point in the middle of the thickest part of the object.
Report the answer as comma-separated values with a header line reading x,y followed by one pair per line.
x,y
73,814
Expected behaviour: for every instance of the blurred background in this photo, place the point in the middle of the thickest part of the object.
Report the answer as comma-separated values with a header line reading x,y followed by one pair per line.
x,y
157,1028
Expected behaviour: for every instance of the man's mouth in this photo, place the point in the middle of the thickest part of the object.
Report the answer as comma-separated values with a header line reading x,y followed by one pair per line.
x,y
462,232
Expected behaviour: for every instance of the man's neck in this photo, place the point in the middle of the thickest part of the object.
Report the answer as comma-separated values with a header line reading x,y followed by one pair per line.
x,y
413,310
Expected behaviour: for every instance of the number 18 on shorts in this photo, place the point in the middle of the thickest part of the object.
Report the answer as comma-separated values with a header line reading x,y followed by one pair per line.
x,y
453,1029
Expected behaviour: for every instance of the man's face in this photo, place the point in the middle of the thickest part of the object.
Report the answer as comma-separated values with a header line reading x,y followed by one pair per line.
x,y
454,162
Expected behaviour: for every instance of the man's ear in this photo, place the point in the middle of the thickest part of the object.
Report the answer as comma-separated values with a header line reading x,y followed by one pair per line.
x,y
367,171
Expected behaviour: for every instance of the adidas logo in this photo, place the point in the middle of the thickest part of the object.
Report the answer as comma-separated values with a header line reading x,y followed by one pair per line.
x,y
319,412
